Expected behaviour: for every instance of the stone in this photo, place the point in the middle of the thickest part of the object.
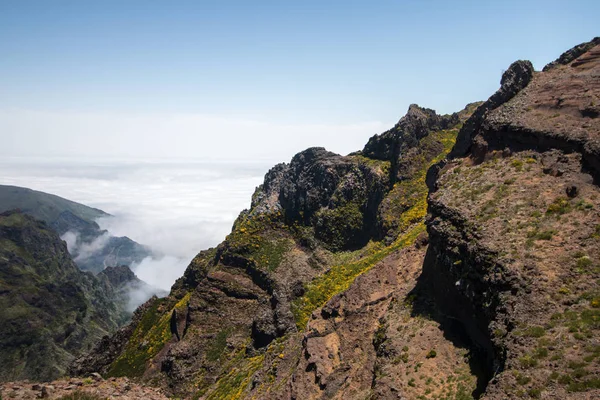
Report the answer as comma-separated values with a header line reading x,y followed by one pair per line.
x,y
96,376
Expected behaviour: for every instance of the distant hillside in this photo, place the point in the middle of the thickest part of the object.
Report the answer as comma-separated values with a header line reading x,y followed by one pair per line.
x,y
50,311
78,222
44,206
129,291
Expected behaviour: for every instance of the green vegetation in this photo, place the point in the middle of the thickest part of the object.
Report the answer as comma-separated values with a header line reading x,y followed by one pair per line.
x,y
405,215
340,277
431,354
517,164
534,331
340,226
239,372
522,379
45,298
43,206
149,337
217,346
528,362
559,206
382,167
252,238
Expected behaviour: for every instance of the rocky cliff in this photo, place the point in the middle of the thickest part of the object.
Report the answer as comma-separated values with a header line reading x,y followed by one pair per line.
x,y
454,257
314,225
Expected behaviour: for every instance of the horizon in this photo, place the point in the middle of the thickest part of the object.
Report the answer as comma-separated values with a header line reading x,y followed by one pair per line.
x,y
237,81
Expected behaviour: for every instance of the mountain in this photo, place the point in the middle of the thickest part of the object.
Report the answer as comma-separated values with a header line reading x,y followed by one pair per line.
x,y
454,257
92,248
50,311
314,226
128,290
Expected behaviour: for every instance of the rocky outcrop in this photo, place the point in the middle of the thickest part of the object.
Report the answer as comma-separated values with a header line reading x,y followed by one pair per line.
x,y
508,231
570,55
514,79
119,276
397,144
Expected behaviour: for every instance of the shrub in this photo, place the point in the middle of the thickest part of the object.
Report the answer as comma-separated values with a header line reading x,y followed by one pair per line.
x,y
528,362
523,380
535,331
517,164
559,206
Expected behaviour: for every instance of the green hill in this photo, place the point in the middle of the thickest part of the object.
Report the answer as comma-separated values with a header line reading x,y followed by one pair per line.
x,y
44,206
64,216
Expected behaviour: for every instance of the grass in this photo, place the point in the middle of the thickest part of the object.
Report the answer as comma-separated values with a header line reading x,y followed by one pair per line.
x,y
340,277
534,331
559,206
408,221
217,346
149,337
234,383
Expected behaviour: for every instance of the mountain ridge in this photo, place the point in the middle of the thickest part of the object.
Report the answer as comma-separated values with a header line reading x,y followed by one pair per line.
x,y
454,257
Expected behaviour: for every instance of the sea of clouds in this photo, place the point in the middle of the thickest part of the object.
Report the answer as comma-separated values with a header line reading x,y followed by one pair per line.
x,y
175,207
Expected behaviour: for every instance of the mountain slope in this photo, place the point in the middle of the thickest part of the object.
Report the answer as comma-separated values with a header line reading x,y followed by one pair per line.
x,y
454,257
92,248
50,311
313,226
514,232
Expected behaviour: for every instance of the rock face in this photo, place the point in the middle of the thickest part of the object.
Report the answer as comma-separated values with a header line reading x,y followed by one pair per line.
x,y
76,223
512,241
303,240
435,263
50,310
398,144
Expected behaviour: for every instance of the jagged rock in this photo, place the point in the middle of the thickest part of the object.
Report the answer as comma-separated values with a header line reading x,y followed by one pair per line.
x,y
499,283
572,191
514,79
572,54
395,144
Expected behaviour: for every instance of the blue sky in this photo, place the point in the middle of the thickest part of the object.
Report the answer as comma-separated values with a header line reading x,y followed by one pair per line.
x,y
281,63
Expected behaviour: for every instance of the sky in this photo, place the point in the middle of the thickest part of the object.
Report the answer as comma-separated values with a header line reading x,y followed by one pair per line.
x,y
260,80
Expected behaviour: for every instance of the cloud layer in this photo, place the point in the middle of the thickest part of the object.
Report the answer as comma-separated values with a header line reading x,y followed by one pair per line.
x,y
177,209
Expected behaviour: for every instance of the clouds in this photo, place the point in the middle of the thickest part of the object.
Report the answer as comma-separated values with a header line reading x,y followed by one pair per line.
x,y
176,208
181,135
123,164
160,272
